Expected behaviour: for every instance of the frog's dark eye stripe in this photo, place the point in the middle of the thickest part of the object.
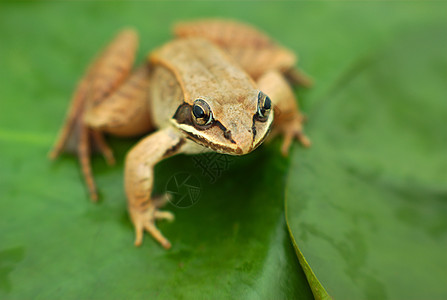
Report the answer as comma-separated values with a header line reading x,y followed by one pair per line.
x,y
264,107
201,112
183,114
198,115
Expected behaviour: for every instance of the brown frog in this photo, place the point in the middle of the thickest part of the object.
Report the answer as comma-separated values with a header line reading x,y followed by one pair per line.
x,y
219,86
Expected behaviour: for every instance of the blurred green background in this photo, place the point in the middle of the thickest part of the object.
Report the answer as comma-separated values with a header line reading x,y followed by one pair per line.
x,y
366,205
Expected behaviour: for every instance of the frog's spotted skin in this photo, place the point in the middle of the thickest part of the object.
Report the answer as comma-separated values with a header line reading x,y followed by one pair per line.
x,y
218,87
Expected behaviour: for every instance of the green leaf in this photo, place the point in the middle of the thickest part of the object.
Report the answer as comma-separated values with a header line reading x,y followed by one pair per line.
x,y
233,243
367,204
56,244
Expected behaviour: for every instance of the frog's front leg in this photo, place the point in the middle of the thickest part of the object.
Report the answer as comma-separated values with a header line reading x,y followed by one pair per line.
x,y
139,178
288,119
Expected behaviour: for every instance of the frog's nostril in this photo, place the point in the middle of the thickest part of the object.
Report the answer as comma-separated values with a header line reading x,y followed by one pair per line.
x,y
227,134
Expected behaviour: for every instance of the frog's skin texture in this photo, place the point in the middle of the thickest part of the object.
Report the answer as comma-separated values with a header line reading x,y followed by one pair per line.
x,y
205,90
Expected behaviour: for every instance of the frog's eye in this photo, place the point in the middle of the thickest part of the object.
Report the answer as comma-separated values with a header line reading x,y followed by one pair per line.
x,y
201,113
264,107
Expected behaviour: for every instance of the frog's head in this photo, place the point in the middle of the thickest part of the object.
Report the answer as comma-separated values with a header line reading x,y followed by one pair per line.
x,y
232,124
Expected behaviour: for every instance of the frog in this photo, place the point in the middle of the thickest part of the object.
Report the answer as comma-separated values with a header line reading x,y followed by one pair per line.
x,y
219,86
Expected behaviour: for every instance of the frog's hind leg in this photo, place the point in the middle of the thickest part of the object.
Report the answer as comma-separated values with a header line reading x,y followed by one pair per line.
x,y
126,111
102,78
72,127
288,118
123,113
76,137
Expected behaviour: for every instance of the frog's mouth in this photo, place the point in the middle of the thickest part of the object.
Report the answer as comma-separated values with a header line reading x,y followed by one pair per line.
x,y
224,149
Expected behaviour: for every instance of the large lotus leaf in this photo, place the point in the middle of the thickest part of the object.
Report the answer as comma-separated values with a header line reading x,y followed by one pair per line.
x,y
56,244
367,205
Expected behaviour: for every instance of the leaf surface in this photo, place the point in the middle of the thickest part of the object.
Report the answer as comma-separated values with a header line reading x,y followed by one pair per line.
x,y
367,204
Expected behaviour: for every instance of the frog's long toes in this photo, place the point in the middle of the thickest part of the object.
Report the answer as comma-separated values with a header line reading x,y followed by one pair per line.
x,y
304,140
145,221
286,145
289,137
164,215
53,154
139,231
103,147
156,234
160,201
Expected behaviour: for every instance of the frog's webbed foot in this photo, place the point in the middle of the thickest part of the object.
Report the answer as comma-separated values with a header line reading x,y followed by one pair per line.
x,y
292,129
144,220
102,78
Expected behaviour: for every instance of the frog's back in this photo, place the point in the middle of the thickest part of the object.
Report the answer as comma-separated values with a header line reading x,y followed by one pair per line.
x,y
253,50
187,69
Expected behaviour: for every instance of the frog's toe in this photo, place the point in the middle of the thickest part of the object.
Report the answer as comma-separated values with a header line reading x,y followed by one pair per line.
x,y
286,145
164,215
145,221
304,140
293,130
139,231
160,201
153,230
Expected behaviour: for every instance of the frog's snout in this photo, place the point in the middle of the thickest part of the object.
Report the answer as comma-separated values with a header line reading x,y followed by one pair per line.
x,y
244,142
